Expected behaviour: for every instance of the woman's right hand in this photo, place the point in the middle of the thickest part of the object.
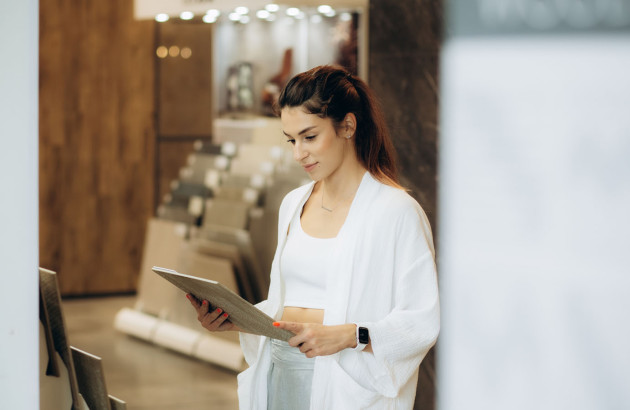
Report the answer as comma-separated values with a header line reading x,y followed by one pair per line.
x,y
214,321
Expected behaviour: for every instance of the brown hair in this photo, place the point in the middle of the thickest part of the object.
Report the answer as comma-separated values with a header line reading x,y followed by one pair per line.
x,y
332,92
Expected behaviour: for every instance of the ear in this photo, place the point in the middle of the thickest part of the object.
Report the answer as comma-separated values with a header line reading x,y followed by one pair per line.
x,y
349,125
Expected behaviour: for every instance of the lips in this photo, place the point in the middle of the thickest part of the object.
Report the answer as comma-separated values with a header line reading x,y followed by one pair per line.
x,y
309,167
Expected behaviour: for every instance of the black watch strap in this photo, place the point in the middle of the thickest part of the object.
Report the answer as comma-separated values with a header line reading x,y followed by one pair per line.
x,y
363,338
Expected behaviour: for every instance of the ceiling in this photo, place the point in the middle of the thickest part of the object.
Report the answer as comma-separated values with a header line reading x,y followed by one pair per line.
x,y
148,9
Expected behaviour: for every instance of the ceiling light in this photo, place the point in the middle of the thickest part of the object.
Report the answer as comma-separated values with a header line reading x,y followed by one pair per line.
x,y
324,9
272,7
161,18
186,15
331,13
345,16
213,12
161,52
235,16
186,53
263,14
208,18
293,11
241,10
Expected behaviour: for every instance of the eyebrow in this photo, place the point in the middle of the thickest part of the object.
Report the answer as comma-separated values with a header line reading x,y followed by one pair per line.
x,y
304,131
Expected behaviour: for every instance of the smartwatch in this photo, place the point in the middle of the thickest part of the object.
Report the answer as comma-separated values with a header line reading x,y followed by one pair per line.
x,y
363,338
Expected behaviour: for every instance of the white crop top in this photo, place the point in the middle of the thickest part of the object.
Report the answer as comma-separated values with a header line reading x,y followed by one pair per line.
x,y
305,263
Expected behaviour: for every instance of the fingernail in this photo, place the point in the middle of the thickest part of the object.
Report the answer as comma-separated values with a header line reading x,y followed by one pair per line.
x,y
276,324
205,302
188,296
219,310
225,315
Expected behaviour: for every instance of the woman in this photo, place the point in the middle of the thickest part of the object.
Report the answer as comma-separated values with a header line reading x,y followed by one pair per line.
x,y
354,274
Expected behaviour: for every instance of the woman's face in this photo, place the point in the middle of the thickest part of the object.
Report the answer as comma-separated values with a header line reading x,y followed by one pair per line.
x,y
316,145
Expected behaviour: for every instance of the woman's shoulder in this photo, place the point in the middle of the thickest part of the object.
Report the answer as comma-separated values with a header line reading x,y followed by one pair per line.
x,y
393,198
395,211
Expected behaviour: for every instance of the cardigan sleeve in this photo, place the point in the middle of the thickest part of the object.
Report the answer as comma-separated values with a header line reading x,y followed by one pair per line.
x,y
402,338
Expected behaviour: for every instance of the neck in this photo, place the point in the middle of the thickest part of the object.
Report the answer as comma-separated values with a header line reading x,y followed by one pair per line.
x,y
343,183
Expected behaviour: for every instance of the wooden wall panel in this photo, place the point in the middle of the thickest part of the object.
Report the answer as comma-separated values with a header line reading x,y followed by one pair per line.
x,y
97,143
185,84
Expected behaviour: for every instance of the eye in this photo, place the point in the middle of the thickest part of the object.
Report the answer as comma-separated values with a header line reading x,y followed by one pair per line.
x,y
292,141
310,137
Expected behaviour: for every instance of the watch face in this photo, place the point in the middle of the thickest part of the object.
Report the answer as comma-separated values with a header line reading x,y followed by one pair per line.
x,y
364,335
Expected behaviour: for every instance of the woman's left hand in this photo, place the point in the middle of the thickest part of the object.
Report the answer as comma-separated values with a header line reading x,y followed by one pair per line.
x,y
315,339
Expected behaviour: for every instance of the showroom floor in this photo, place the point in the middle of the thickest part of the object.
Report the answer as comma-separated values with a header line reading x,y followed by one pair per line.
x,y
142,374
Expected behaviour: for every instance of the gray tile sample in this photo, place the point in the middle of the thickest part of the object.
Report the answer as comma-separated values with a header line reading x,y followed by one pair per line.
x,y
263,228
242,313
176,213
203,266
52,367
230,252
91,379
54,390
227,213
162,246
52,301
117,404
258,278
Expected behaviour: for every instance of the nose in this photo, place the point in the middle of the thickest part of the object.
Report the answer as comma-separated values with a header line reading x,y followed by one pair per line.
x,y
299,153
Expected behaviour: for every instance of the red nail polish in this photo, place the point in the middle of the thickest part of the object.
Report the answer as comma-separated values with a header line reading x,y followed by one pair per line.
x,y
187,296
219,310
205,302
225,315
276,324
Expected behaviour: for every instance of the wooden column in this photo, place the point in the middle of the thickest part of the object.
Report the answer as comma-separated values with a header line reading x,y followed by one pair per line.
x,y
97,142
184,95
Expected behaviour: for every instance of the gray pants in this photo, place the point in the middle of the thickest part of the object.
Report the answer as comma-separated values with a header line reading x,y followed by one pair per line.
x,y
290,377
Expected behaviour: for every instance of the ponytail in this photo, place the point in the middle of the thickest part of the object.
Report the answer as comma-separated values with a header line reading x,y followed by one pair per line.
x,y
332,92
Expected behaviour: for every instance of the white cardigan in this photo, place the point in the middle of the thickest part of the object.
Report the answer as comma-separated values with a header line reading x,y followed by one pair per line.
x,y
385,280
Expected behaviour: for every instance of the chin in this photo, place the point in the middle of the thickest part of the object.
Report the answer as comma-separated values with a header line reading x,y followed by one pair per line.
x,y
316,175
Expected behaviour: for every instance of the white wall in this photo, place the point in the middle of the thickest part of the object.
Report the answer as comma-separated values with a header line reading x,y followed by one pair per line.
x,y
535,223
19,312
263,43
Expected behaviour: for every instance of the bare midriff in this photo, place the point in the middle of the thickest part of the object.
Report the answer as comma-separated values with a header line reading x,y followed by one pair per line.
x,y
302,315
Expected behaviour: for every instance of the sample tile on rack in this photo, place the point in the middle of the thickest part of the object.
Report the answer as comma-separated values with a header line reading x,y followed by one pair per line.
x,y
230,252
226,213
52,301
54,389
203,266
163,244
117,404
258,279
91,379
